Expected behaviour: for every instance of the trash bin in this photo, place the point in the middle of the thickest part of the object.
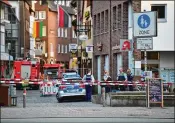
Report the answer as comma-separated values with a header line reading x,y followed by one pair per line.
x,y
4,95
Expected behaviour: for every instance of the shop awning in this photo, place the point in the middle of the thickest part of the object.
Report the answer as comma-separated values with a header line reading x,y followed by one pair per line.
x,y
5,57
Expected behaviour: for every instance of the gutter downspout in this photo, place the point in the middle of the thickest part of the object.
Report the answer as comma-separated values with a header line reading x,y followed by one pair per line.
x,y
130,37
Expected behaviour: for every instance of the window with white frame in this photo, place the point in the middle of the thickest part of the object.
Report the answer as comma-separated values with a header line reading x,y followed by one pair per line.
x,y
59,48
161,11
68,3
42,14
2,38
65,49
65,33
44,30
62,48
59,2
63,2
36,15
73,34
62,32
59,32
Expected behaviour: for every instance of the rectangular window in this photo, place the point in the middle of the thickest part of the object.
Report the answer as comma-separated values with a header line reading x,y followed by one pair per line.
x,y
62,32
125,20
44,30
68,3
27,25
114,17
65,33
63,2
161,11
119,17
106,20
65,48
2,38
150,55
102,22
36,15
73,34
59,32
95,21
62,49
88,3
89,32
98,23
2,13
42,14
59,48
11,16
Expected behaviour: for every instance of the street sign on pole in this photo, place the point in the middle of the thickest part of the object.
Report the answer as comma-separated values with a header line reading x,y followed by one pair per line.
x,y
145,43
145,24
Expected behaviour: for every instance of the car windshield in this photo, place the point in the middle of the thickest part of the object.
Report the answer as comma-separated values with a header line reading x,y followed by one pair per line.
x,y
51,73
71,76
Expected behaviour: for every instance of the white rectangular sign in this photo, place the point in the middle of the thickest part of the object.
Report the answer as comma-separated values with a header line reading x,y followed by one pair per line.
x,y
89,48
145,24
145,43
138,64
72,46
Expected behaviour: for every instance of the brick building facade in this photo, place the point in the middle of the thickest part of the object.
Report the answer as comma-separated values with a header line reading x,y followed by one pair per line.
x,y
25,12
110,24
55,42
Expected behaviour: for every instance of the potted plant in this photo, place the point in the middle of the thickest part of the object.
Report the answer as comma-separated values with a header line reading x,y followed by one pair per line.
x,y
87,15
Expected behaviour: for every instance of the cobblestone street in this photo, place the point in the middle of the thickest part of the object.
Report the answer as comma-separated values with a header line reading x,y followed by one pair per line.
x,y
48,107
33,99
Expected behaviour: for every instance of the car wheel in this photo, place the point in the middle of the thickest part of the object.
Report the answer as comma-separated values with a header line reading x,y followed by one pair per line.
x,y
60,100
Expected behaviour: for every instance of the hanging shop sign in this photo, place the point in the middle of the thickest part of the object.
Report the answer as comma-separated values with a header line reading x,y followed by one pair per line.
x,y
89,48
72,46
125,45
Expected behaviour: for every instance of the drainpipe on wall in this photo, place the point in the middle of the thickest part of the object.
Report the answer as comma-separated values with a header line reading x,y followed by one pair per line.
x,y
130,36
110,53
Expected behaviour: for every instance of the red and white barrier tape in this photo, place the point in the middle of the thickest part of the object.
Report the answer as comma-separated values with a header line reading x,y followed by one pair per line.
x,y
81,82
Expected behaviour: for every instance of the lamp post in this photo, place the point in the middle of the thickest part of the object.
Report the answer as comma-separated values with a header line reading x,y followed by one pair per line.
x,y
9,49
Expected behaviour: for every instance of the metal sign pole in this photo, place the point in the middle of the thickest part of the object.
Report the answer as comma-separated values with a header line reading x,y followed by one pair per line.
x,y
24,97
145,58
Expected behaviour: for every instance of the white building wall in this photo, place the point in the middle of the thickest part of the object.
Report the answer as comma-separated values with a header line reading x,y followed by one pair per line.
x,y
167,60
165,38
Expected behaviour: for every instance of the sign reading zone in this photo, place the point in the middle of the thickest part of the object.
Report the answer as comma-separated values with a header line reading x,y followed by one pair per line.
x,y
145,24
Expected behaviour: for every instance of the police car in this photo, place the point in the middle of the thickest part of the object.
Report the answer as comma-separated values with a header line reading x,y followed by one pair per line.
x,y
70,87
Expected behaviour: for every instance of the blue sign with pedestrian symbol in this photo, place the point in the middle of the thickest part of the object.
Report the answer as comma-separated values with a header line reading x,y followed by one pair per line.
x,y
143,21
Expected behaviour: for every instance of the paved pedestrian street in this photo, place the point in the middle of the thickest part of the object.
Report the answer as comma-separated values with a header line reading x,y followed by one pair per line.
x,y
38,107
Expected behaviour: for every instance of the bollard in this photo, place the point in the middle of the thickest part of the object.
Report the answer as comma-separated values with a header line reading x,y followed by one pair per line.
x,y
103,96
24,97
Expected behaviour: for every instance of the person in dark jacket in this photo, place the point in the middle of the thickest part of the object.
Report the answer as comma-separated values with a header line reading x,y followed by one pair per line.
x,y
122,77
106,77
130,79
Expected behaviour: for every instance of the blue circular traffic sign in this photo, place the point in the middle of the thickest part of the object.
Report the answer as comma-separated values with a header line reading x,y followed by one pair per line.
x,y
143,21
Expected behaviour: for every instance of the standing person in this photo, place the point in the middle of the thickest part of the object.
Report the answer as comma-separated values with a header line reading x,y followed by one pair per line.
x,y
88,78
122,77
106,77
130,79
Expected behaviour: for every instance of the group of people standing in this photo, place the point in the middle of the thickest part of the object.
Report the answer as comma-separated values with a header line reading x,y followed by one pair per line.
x,y
121,77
